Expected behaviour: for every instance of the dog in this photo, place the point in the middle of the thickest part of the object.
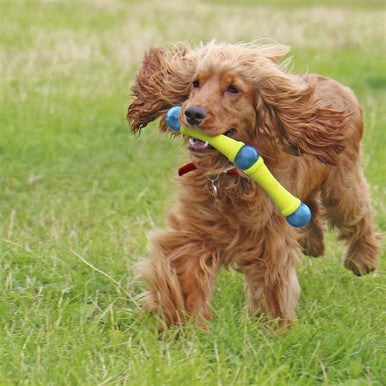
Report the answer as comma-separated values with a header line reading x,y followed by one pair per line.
x,y
306,127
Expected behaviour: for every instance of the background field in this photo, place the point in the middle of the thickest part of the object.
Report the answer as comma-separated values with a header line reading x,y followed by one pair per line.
x,y
78,194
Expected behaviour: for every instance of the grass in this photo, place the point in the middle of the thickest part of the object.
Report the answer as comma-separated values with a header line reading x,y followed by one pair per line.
x,y
78,194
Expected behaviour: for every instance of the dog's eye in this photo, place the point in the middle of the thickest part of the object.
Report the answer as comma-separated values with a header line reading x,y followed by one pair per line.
x,y
233,89
196,84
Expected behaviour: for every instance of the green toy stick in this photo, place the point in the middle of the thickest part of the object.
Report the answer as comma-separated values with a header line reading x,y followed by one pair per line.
x,y
247,158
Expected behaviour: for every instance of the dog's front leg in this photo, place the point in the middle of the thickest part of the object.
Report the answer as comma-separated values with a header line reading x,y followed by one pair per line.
x,y
271,279
180,274
275,299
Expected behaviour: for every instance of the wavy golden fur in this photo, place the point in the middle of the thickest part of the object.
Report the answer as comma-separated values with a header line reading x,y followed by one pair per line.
x,y
308,130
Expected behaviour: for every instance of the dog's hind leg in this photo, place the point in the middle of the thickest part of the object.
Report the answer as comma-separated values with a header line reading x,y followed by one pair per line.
x,y
311,239
347,202
180,275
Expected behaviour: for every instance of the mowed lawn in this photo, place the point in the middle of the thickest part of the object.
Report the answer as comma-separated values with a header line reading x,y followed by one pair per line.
x,y
79,193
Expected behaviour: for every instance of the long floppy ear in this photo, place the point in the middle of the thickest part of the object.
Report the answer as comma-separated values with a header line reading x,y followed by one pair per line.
x,y
289,113
162,82
273,52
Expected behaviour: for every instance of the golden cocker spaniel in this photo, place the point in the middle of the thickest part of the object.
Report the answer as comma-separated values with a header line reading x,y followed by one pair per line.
x,y
308,130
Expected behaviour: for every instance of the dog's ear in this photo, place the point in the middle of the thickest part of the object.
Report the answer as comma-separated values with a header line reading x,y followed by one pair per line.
x,y
273,52
289,113
162,82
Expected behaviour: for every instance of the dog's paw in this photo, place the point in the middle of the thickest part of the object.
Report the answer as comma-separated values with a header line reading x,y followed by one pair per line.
x,y
360,268
312,248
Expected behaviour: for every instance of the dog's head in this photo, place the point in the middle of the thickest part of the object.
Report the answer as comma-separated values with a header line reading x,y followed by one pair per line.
x,y
236,90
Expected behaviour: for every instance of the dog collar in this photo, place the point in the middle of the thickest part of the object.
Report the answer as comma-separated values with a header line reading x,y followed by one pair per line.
x,y
212,179
191,166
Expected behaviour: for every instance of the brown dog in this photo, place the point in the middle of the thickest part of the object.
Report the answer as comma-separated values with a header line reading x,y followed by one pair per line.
x,y
307,128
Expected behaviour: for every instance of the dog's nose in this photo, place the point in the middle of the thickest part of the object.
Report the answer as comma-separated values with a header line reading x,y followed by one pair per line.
x,y
195,115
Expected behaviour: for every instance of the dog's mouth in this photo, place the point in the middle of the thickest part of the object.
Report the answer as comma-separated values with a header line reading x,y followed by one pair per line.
x,y
198,146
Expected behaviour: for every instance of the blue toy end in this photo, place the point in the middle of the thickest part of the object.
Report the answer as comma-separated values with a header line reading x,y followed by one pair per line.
x,y
172,118
246,157
301,217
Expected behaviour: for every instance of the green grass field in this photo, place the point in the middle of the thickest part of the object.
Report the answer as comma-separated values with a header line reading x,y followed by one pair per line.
x,y
78,194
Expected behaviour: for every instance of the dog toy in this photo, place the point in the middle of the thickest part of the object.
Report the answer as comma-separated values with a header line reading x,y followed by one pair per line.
x,y
247,159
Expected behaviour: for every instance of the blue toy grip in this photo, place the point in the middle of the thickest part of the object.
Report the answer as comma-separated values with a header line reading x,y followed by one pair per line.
x,y
301,217
172,118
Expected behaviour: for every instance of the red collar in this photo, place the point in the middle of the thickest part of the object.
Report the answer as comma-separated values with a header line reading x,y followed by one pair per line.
x,y
191,166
